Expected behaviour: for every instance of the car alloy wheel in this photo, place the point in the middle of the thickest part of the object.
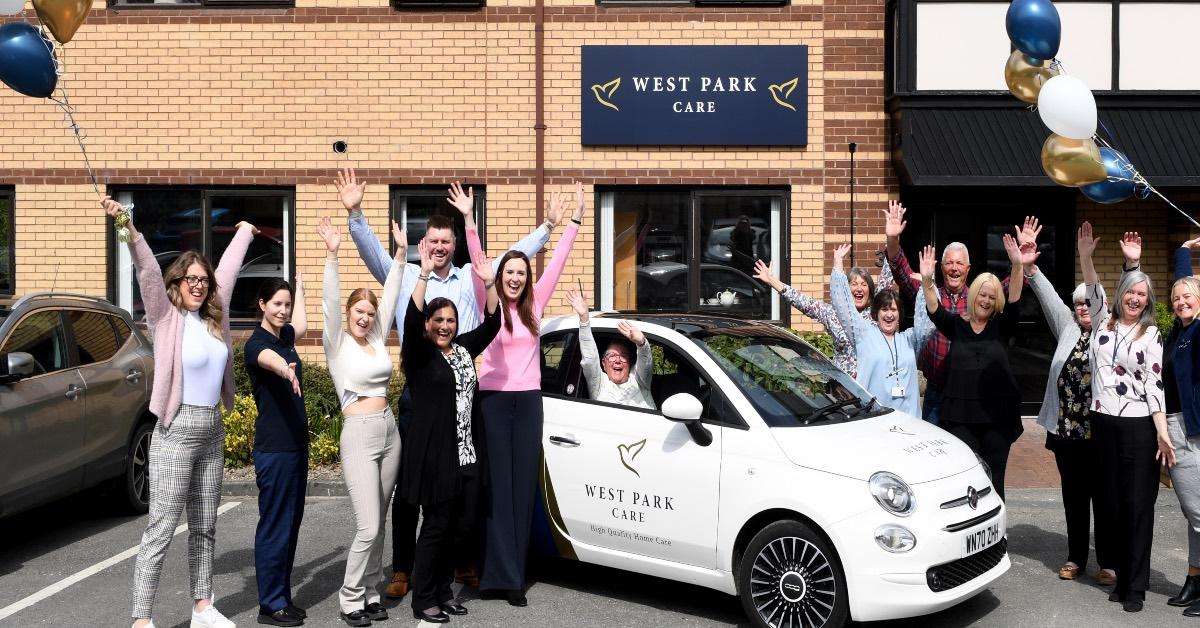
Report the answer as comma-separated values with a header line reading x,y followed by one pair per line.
x,y
137,469
789,578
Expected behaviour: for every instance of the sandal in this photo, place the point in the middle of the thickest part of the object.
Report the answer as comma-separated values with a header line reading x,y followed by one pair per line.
x,y
1068,571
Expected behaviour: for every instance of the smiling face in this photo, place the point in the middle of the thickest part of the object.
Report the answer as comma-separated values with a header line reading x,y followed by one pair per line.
x,y
985,302
616,362
955,269
441,327
360,316
278,311
860,291
513,278
1133,302
888,318
441,247
194,295
1083,315
1184,301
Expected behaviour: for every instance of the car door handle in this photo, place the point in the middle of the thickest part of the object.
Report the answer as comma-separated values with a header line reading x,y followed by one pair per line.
x,y
564,441
73,391
133,376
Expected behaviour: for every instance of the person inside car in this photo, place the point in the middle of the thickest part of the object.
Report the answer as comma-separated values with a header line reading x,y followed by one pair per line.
x,y
623,374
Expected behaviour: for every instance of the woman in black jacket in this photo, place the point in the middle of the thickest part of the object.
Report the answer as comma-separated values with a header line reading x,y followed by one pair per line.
x,y
440,464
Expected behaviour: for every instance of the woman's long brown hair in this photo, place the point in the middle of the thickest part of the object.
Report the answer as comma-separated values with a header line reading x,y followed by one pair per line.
x,y
210,308
524,300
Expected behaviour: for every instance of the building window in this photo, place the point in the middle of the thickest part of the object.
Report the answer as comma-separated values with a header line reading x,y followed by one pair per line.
x,y
412,206
8,244
698,3
175,220
689,250
1158,41
166,4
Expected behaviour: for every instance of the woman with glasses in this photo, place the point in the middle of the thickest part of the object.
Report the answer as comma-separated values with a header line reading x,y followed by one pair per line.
x,y
623,374
187,308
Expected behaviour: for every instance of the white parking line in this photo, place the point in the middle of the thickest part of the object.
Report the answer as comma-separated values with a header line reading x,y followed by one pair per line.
x,y
79,576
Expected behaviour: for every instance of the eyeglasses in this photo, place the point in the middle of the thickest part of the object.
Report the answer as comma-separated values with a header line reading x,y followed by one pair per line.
x,y
193,280
613,356
1081,305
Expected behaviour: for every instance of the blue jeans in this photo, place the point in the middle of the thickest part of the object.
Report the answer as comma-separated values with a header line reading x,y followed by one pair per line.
x,y
932,406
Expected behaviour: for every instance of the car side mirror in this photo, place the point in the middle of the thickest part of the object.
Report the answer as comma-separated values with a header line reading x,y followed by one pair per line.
x,y
15,366
686,409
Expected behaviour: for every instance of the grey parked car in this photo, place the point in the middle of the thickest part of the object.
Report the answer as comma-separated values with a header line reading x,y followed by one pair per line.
x,y
75,378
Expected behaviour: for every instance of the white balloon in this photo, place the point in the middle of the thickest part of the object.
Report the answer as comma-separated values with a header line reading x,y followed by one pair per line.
x,y
11,7
1067,106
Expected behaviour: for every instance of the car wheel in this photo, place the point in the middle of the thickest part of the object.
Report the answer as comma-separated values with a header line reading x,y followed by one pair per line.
x,y
789,577
136,480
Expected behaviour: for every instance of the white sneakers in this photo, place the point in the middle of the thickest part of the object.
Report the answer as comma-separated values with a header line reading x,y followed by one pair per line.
x,y
211,618
149,625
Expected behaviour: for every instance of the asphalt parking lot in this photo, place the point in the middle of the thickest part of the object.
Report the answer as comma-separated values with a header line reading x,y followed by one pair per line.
x,y
71,564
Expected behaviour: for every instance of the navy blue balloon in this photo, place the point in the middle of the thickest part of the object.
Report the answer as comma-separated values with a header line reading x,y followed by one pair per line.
x,y
1034,27
26,64
1109,191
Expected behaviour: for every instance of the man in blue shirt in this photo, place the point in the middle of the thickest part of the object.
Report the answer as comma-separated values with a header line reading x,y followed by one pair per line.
x,y
446,280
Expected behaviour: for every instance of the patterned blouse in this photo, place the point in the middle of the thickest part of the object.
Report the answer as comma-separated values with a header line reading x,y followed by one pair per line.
x,y
464,391
1075,392
1126,369
844,356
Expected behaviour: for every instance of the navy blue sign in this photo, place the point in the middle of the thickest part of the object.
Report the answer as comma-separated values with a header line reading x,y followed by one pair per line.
x,y
695,95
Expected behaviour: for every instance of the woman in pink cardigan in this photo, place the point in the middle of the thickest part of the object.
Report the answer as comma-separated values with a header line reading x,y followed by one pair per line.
x,y
187,308
510,384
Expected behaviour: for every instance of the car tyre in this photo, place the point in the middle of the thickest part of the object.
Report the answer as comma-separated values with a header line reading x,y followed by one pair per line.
x,y
136,480
790,577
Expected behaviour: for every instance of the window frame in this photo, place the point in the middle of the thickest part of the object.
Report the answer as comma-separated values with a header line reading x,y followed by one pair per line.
x,y
900,49
398,191
780,224
68,352
206,194
8,193
73,344
693,3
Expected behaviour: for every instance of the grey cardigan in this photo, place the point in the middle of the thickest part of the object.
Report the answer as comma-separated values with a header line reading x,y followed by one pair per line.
x,y
1066,329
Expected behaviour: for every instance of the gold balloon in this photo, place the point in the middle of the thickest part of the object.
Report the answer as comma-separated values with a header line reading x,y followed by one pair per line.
x,y
62,17
1024,79
1072,163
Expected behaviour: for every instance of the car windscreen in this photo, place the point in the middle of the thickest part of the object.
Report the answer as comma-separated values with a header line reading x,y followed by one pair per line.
x,y
787,381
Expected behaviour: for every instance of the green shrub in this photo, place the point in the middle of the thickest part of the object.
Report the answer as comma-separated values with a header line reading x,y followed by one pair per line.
x,y
239,432
819,339
1164,318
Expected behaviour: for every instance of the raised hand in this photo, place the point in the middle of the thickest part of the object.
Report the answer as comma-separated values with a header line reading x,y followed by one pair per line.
x,y
1012,249
350,189
1131,246
1085,244
578,302
111,207
1029,254
927,257
556,207
483,268
329,233
763,273
464,203
1193,244
426,257
253,229
580,201
840,252
634,334
401,238
1029,232
894,222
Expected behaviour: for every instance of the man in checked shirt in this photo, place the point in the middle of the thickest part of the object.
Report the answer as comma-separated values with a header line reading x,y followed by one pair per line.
x,y
956,266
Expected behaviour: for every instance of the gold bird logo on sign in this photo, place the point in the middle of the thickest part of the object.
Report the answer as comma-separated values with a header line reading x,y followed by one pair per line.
x,y
783,91
62,17
607,89
629,452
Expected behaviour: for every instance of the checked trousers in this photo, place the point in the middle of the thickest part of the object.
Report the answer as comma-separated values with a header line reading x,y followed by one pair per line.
x,y
186,471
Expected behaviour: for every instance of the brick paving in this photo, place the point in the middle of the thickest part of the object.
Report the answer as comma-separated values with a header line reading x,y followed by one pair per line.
x,y
1030,464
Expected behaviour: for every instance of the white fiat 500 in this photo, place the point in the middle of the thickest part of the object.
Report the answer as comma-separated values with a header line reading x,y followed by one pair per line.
x,y
766,473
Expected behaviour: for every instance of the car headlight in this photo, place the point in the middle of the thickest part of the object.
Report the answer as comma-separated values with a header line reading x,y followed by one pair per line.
x,y
986,468
892,493
895,539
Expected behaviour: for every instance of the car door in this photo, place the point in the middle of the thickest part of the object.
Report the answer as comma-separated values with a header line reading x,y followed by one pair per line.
x,y
628,479
41,416
115,382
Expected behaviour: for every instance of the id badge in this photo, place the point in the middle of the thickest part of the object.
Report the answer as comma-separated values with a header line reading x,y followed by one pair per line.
x,y
897,390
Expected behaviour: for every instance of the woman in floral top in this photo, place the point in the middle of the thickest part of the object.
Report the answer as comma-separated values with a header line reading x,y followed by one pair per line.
x,y
1128,419
862,289
1066,416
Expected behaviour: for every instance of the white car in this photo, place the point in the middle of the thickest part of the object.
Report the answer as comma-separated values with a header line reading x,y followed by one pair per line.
x,y
768,474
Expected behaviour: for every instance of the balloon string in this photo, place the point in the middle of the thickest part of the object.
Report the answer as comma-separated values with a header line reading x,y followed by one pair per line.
x,y
1146,189
60,69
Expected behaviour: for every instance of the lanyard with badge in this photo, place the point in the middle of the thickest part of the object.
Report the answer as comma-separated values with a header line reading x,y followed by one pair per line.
x,y
897,371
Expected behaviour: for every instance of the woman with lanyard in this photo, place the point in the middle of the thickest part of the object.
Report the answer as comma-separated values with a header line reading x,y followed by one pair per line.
x,y
887,357
361,368
442,471
187,307
280,446
1066,416
982,404
1129,422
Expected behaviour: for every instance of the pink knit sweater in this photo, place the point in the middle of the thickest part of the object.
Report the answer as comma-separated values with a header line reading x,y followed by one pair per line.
x,y
166,322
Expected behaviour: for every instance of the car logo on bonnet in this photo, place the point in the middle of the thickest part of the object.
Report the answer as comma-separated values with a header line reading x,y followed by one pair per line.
x,y
896,429
972,497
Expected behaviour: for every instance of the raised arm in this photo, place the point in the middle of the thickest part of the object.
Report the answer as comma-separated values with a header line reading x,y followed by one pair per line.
x,y
843,305
231,262
589,354
544,288
418,294
350,192
1018,255
476,340
1183,258
299,313
331,334
484,279
928,259
886,280
475,248
386,312
149,274
1085,245
1058,315
645,358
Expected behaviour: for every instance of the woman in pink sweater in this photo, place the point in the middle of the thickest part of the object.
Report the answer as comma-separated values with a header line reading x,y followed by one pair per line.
x,y
510,384
187,308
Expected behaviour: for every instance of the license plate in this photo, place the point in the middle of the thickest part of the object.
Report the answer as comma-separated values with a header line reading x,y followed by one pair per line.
x,y
982,538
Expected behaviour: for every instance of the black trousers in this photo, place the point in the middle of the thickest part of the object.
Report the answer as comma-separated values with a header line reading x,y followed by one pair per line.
x,y
1077,467
1128,490
987,440
282,478
404,515
512,425
448,538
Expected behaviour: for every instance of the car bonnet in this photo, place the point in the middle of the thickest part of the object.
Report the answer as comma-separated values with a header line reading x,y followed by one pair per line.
x,y
913,449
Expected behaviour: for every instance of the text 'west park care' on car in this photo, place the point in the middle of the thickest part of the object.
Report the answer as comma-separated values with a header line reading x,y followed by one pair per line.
x,y
766,473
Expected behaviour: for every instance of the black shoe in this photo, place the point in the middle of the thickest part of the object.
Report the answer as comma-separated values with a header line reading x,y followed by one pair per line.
x,y
1192,611
452,608
517,598
297,611
1189,594
1116,596
440,618
1132,606
375,611
281,617
358,619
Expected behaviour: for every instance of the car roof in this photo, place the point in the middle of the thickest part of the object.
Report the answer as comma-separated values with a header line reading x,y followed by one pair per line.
x,y
701,324
66,299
